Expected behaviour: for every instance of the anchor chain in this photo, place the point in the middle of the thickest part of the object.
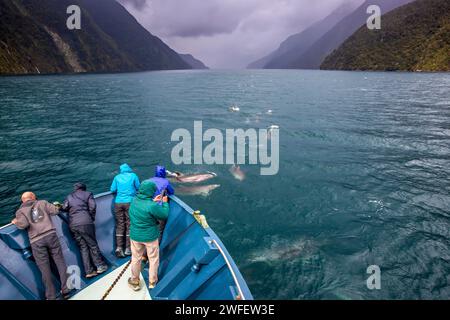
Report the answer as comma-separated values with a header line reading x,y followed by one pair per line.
x,y
116,281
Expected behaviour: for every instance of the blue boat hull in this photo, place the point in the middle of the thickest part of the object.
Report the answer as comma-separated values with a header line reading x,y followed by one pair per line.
x,y
194,263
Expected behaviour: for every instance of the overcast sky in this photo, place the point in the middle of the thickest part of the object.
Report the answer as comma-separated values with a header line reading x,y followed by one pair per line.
x,y
228,33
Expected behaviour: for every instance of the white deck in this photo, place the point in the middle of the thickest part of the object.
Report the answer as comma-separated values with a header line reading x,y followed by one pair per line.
x,y
121,291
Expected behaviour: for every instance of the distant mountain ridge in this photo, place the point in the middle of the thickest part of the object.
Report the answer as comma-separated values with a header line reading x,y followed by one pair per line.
x,y
193,62
415,37
312,55
298,43
34,39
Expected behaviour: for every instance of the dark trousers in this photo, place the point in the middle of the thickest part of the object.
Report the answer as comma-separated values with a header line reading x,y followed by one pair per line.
x,y
87,242
43,249
162,226
122,225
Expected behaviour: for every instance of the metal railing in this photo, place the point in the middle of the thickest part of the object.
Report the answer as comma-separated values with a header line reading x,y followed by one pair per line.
x,y
238,286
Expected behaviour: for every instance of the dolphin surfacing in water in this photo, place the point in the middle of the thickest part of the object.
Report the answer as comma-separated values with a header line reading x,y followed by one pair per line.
x,y
237,173
191,178
203,191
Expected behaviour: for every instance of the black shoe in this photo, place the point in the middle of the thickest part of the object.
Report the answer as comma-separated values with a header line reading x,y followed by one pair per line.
x,y
66,295
119,253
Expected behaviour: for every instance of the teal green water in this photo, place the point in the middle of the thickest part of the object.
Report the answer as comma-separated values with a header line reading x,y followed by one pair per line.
x,y
364,167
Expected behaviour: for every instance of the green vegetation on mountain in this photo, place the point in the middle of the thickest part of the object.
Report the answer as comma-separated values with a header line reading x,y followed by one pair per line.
x,y
308,49
415,37
34,39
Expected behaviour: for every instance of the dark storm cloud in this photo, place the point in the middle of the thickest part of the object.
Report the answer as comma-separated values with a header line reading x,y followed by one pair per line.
x,y
192,18
228,33
138,4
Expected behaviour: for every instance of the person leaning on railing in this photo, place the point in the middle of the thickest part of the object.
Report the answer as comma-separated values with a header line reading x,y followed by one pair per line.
x,y
163,188
125,186
81,208
35,217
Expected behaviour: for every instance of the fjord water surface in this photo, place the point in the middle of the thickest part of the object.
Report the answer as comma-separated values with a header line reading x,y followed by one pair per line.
x,y
364,167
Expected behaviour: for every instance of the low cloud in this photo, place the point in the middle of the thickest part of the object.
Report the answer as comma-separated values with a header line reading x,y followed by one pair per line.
x,y
228,33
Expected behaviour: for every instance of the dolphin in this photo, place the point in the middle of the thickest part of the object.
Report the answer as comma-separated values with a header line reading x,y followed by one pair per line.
x,y
234,108
237,172
302,248
203,191
191,178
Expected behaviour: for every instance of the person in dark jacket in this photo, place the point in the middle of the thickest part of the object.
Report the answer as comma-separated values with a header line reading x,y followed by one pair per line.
x,y
35,217
81,207
163,188
125,185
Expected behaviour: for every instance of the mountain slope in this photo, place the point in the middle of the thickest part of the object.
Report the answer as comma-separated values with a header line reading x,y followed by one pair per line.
x,y
413,37
193,62
314,56
298,43
261,63
34,39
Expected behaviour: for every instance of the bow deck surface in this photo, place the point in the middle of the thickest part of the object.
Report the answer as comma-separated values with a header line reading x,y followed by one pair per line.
x,y
194,263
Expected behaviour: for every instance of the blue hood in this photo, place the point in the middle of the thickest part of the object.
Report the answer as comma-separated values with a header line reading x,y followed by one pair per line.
x,y
125,168
125,185
160,172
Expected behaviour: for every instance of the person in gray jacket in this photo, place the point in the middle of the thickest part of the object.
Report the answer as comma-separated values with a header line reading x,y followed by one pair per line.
x,y
35,217
80,205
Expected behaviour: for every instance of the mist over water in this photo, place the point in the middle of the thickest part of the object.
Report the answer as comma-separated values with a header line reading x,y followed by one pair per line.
x,y
364,167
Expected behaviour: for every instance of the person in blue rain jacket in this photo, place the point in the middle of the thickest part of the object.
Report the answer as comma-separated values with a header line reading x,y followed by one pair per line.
x,y
161,181
125,185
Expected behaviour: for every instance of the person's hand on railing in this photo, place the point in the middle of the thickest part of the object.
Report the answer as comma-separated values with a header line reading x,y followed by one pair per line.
x,y
57,205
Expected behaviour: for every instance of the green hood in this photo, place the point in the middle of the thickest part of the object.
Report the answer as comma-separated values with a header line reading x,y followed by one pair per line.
x,y
147,190
144,214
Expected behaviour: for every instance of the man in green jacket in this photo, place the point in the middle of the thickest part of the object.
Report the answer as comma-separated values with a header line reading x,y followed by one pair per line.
x,y
144,232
